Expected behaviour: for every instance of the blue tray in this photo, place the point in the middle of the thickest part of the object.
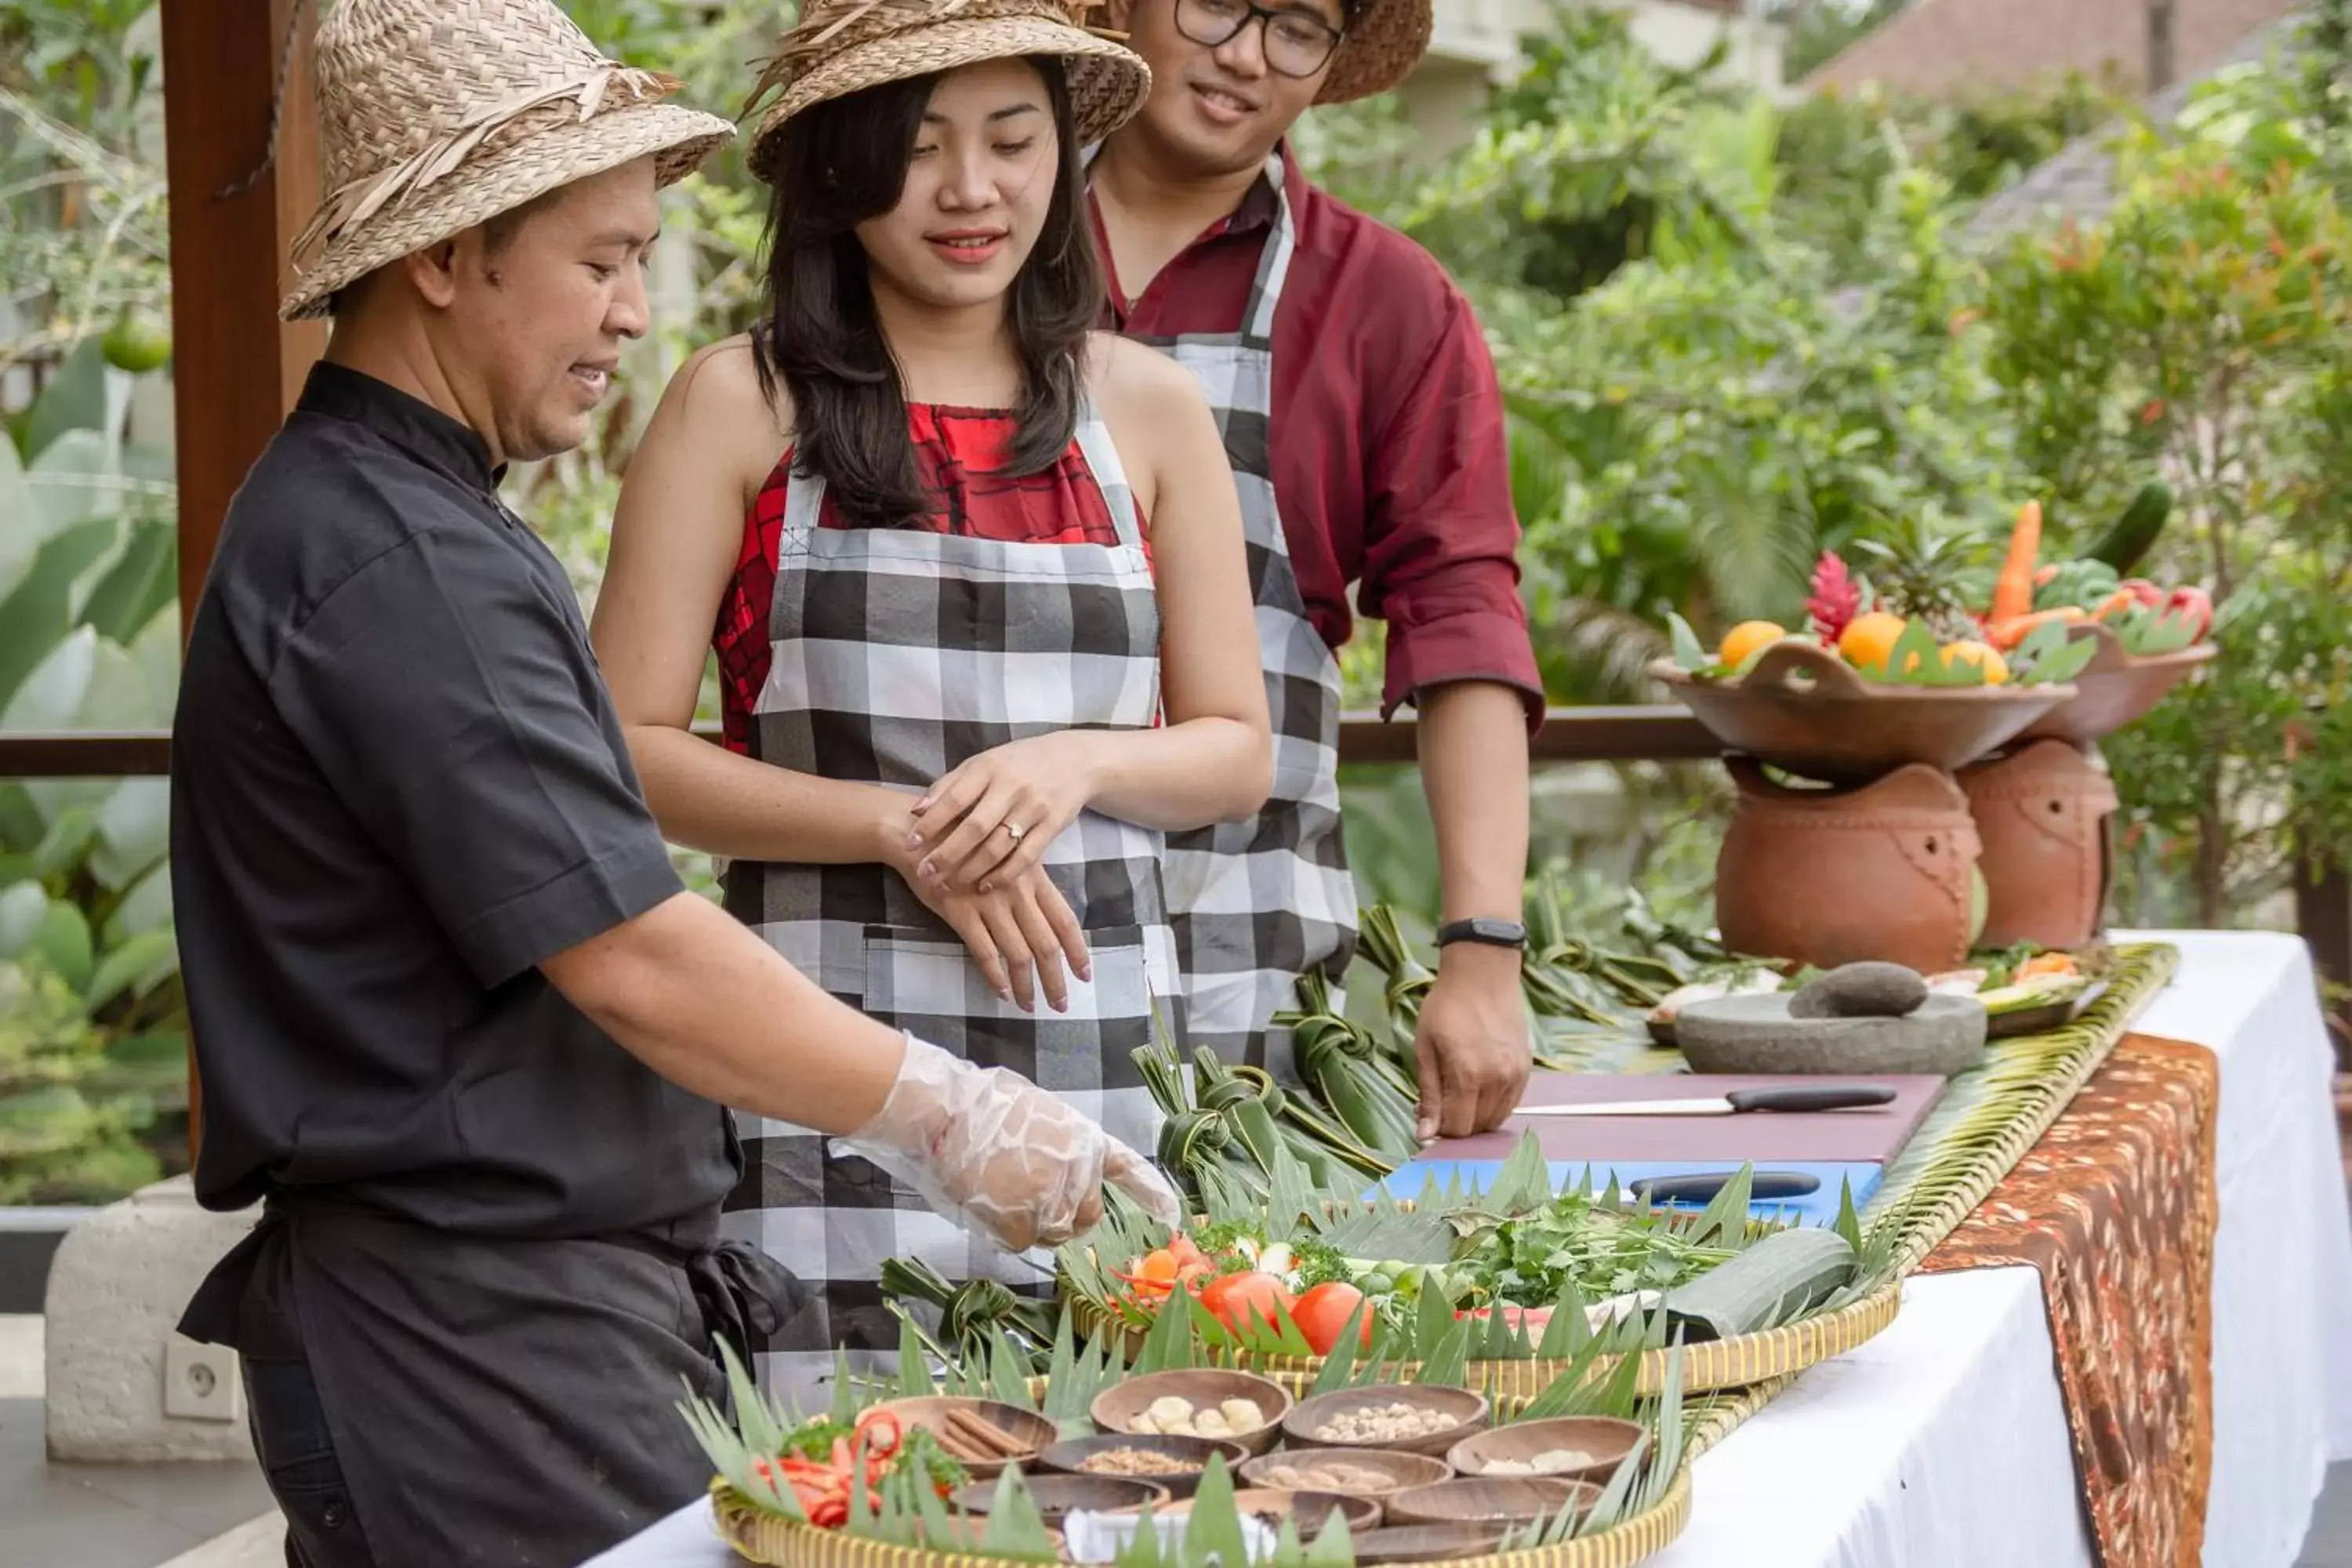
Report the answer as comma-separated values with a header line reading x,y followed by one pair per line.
x,y
1819,1207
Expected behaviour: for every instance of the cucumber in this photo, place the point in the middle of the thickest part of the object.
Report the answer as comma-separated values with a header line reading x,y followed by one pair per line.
x,y
2135,533
1773,1282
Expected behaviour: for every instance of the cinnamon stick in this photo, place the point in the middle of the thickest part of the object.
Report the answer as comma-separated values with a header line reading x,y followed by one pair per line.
x,y
1002,1444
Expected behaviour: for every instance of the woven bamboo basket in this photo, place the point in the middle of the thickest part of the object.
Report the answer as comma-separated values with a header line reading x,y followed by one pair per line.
x,y
790,1543
1718,1365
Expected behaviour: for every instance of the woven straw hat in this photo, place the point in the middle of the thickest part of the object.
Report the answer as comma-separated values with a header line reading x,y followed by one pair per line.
x,y
1382,45
436,115
843,47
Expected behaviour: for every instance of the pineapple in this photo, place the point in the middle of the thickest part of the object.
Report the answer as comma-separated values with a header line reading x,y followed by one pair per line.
x,y
1923,574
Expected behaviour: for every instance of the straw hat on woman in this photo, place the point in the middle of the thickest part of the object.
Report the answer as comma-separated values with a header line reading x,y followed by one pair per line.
x,y
983,624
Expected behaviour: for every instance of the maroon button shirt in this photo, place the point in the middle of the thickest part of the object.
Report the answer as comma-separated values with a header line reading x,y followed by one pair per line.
x,y
1389,464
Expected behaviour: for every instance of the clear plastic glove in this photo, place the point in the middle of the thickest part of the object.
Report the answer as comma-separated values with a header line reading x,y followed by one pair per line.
x,y
997,1154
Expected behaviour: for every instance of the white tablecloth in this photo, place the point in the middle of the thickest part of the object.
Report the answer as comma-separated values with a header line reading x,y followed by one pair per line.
x,y
1943,1441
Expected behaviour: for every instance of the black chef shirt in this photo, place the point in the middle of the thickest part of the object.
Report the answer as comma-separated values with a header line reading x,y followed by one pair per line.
x,y
397,784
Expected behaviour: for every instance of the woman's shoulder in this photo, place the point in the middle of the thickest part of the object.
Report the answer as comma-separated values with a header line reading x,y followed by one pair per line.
x,y
1133,379
722,379
718,395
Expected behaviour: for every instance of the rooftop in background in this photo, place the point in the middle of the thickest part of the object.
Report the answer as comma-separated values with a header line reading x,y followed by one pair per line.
x,y
1947,49
2078,182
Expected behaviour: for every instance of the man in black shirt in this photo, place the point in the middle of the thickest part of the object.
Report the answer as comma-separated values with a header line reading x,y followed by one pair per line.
x,y
460,1026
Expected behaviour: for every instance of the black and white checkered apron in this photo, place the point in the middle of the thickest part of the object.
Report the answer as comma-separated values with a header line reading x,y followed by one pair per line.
x,y
897,654
1259,903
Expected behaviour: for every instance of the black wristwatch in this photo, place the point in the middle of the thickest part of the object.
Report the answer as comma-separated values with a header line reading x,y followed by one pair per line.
x,y
1485,932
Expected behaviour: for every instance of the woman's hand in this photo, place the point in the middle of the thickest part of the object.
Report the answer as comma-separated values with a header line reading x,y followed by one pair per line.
x,y
987,823
1020,933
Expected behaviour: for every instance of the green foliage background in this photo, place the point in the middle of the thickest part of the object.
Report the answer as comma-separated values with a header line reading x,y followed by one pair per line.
x,y
1730,335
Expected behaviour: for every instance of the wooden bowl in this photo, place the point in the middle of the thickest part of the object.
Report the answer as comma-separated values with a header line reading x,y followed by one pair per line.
x,y
1605,1443
1302,1427
1069,1458
2115,689
1490,1499
1310,1509
1426,1543
1803,709
1058,1497
1116,1406
1385,1472
1032,1431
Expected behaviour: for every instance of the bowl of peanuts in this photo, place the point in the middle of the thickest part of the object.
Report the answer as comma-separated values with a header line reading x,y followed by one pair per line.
x,y
1409,1418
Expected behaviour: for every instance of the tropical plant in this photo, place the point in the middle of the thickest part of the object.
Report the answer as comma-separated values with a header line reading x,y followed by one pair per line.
x,y
88,640
2199,331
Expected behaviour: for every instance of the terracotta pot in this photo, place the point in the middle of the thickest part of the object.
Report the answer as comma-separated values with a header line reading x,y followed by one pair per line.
x,y
1832,877
2042,816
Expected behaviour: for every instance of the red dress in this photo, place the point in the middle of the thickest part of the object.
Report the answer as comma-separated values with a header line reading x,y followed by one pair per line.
x,y
957,452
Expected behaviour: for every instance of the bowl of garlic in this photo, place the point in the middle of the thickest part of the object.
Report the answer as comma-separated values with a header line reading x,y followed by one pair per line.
x,y
1198,1403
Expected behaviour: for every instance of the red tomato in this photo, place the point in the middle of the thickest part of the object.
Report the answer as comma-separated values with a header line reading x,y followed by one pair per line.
x,y
1322,1315
1239,1298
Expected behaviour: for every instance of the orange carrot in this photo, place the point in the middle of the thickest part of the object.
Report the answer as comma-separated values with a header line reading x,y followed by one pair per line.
x,y
2119,602
2012,592
2007,635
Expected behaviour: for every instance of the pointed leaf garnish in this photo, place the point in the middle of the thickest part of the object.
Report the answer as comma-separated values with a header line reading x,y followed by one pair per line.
x,y
1689,652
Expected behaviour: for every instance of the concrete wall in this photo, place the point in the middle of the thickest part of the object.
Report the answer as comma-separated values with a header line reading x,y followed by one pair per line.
x,y
1478,40
1681,35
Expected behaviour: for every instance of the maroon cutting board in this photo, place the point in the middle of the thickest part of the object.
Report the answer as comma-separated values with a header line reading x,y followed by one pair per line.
x,y
1872,1133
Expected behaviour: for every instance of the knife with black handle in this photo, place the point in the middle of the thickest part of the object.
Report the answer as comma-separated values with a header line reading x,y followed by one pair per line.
x,y
1780,1097
1768,1186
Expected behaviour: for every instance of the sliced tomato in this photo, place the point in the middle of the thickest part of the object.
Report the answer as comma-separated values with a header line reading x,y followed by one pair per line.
x,y
1532,1319
1238,1300
1322,1315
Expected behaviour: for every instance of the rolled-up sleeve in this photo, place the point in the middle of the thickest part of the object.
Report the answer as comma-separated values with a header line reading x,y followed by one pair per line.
x,y
459,717
1440,563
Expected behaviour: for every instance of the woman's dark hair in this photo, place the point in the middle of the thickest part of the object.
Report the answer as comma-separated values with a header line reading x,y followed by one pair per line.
x,y
832,167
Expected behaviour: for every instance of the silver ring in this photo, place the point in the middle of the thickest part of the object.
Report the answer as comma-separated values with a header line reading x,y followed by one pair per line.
x,y
1016,830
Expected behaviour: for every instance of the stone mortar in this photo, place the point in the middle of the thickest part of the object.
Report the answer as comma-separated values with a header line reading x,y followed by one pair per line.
x,y
1756,1035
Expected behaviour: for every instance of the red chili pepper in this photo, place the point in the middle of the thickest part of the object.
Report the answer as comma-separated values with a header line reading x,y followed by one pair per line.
x,y
882,1433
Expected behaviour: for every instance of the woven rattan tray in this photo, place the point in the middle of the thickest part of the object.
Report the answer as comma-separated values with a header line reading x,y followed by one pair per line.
x,y
790,1543
1721,1364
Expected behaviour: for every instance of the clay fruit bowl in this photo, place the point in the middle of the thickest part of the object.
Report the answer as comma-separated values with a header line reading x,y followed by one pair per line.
x,y
1801,708
1602,1442
1465,1413
1115,1409
2115,689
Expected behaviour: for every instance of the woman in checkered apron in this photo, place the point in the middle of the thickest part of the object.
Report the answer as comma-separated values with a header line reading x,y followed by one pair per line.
x,y
982,612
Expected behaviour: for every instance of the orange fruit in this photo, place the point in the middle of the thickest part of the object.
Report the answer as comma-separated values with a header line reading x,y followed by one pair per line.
x,y
1969,651
1868,640
1744,640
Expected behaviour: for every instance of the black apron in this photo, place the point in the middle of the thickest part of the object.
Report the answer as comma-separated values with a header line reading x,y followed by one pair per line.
x,y
478,1400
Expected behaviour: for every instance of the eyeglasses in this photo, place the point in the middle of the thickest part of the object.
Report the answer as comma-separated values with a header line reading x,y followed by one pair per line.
x,y
1296,45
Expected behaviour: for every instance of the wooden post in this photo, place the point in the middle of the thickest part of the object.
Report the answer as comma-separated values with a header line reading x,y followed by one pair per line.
x,y
234,209
2160,68
2323,910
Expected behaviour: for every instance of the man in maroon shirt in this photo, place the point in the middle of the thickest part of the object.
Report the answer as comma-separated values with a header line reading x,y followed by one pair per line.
x,y
1365,430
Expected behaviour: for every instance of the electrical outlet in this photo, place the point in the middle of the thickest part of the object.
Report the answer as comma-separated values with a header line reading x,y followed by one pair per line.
x,y
201,1382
